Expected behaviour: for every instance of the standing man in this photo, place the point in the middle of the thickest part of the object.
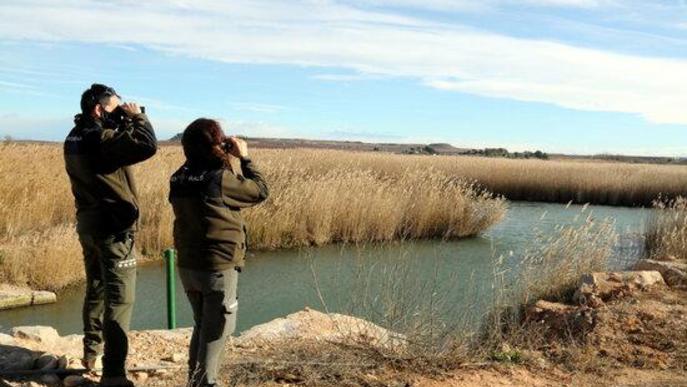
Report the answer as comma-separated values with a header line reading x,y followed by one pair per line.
x,y
106,140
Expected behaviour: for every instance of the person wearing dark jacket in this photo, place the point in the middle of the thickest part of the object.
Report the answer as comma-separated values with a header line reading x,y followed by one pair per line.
x,y
210,237
106,140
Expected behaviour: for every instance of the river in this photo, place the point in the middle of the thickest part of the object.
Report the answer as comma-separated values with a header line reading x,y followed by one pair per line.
x,y
369,281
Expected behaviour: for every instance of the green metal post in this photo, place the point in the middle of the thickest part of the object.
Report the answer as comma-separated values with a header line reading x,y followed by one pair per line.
x,y
170,256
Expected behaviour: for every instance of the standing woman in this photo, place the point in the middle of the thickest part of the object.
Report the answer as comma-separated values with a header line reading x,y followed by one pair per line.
x,y
210,237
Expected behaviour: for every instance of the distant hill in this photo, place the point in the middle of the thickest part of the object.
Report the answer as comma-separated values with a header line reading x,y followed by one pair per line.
x,y
281,143
442,149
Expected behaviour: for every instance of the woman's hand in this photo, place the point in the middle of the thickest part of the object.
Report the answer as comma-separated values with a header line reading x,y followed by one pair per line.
x,y
131,108
239,148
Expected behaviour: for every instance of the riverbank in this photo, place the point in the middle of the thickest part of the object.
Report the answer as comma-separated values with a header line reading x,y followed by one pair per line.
x,y
635,334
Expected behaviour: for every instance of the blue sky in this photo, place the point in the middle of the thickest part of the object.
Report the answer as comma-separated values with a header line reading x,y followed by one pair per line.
x,y
573,76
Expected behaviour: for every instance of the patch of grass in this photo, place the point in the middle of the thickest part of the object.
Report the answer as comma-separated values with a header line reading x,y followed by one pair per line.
x,y
506,354
549,270
666,234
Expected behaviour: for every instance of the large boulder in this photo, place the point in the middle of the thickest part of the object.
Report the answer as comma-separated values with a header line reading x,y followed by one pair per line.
x,y
37,333
596,288
16,359
40,297
673,272
14,300
6,339
14,297
310,324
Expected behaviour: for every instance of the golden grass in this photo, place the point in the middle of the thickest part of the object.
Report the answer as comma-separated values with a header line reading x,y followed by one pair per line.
x,y
666,236
552,268
317,197
559,181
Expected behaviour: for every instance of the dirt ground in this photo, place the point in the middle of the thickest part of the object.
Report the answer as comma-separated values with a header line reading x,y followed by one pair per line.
x,y
639,340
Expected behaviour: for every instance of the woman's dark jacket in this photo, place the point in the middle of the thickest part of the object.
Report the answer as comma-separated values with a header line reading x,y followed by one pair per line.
x,y
209,232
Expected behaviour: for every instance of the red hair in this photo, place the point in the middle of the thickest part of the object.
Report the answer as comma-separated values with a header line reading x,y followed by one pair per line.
x,y
202,142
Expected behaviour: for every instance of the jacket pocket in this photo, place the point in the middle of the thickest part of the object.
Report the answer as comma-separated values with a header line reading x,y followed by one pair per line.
x,y
120,215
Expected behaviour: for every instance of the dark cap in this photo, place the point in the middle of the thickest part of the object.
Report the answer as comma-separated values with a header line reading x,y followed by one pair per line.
x,y
97,93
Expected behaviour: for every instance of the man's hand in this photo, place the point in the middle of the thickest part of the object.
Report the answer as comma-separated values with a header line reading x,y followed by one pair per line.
x,y
239,148
131,108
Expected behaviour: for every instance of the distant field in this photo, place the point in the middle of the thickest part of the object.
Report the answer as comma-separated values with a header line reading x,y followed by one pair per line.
x,y
317,197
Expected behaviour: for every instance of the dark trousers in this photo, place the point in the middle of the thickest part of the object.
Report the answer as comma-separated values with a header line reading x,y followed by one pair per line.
x,y
110,263
214,301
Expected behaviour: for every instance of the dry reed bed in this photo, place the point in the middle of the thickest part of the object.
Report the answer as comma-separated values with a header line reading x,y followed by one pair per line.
x,y
558,181
317,197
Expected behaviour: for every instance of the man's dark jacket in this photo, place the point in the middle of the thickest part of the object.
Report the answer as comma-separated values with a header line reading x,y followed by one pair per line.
x,y
209,231
98,161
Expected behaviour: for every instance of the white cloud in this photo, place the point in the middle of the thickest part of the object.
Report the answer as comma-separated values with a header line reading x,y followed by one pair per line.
x,y
566,3
345,77
324,33
483,5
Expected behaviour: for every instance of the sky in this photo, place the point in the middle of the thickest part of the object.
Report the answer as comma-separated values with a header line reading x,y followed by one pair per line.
x,y
570,76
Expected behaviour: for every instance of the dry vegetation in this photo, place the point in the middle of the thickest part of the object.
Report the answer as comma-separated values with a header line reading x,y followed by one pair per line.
x,y
667,232
605,183
552,268
549,270
317,197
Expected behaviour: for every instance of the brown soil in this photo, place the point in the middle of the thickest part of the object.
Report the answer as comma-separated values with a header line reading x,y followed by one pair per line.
x,y
640,340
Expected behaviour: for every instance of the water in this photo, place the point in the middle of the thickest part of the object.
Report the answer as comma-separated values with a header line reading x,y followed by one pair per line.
x,y
359,281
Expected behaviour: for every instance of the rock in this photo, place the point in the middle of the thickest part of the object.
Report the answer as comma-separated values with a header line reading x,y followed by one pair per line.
x,y
74,363
13,297
674,273
175,358
71,345
16,359
43,297
161,372
313,325
561,319
74,380
63,362
6,339
46,362
140,377
596,288
8,301
50,379
38,333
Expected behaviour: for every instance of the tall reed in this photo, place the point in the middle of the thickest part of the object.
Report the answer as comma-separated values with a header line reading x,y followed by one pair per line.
x,y
666,235
317,197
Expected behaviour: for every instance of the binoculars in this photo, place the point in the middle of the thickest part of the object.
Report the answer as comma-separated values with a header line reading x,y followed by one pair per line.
x,y
118,116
